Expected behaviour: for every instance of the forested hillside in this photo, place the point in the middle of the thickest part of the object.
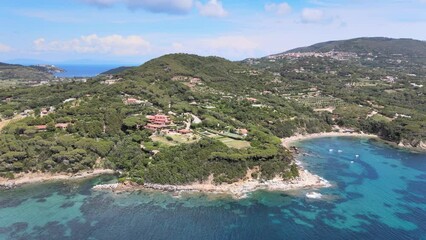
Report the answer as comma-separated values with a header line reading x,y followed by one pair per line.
x,y
182,118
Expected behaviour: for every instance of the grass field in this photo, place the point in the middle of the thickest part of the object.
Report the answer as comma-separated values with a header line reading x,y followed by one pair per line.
x,y
381,118
177,139
232,143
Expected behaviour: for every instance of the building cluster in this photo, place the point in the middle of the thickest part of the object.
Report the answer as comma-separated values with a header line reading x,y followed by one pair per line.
x,y
62,126
337,55
163,123
46,111
189,81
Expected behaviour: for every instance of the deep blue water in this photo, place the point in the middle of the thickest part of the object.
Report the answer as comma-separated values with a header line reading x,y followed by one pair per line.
x,y
380,195
83,70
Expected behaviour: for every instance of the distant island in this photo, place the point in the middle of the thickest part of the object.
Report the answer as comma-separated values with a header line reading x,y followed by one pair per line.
x,y
183,122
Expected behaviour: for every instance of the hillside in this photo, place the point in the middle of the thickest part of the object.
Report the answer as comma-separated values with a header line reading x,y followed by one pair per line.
x,y
373,84
116,70
213,120
215,72
364,46
13,73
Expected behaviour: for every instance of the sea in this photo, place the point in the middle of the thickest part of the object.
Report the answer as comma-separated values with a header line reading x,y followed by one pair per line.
x,y
81,70
378,192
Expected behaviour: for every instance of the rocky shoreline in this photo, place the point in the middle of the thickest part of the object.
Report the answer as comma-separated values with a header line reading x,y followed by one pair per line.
x,y
237,190
39,177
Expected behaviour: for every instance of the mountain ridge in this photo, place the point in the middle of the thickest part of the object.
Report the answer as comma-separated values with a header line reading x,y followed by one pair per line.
x,y
365,45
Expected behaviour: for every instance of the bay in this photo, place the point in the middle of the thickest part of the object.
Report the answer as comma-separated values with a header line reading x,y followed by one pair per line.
x,y
378,192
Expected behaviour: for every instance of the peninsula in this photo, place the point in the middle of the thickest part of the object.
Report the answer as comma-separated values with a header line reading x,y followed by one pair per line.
x,y
189,123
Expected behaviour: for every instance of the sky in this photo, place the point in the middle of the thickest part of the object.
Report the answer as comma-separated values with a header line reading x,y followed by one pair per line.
x,y
134,31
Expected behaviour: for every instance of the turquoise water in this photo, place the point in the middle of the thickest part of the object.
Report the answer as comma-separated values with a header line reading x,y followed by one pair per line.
x,y
83,70
381,194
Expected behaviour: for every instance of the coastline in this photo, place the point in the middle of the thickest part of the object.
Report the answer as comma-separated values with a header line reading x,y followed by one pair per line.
x,y
238,190
39,177
287,142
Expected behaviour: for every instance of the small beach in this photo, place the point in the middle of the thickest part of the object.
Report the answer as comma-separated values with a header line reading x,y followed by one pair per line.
x,y
288,142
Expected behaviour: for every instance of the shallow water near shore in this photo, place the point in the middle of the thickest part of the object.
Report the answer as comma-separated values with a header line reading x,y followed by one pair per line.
x,y
381,194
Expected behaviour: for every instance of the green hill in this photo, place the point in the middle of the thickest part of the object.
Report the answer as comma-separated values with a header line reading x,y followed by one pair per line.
x,y
382,46
15,72
213,71
104,130
116,70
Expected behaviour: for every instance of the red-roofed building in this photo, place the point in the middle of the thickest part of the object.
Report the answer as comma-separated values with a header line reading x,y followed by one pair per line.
x,y
131,101
184,131
155,127
251,99
157,122
41,127
159,119
243,131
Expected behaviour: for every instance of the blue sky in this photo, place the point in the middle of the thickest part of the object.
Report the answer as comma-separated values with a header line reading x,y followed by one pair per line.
x,y
133,31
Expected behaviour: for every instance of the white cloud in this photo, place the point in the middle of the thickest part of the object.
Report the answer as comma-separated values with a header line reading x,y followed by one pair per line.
x,y
278,8
156,6
228,46
312,15
237,43
5,48
213,8
109,45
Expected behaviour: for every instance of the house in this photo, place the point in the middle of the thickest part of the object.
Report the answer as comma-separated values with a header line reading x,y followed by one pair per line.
x,y
157,122
27,113
251,99
242,131
62,125
132,101
43,112
110,82
159,119
41,127
155,127
184,131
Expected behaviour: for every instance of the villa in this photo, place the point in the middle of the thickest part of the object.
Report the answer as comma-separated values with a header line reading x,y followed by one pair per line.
x,y
157,122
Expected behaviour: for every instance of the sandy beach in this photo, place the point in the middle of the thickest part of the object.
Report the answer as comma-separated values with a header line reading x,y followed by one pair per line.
x,y
28,178
288,142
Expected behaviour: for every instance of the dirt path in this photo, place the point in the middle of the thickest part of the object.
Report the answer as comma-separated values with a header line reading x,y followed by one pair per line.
x,y
4,123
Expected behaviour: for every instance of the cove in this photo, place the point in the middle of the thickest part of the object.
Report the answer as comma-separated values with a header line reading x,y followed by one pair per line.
x,y
378,192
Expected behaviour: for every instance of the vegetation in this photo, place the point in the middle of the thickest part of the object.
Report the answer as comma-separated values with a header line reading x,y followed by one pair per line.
x,y
72,126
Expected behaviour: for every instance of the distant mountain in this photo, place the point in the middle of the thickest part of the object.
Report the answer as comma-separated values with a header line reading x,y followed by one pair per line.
x,y
375,46
16,72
